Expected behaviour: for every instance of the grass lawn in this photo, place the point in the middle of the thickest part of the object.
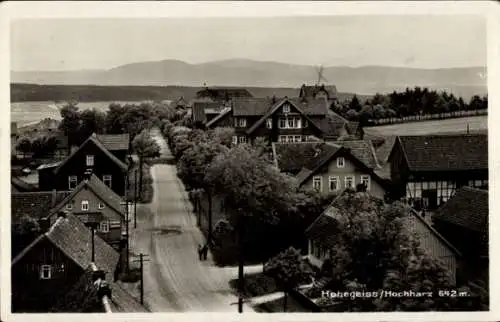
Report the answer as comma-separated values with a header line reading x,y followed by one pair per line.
x,y
456,125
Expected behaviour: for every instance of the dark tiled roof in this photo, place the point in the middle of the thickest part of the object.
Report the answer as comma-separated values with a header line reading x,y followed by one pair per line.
x,y
312,91
446,152
74,239
251,106
383,146
333,125
200,109
99,188
223,113
311,106
93,138
362,149
468,208
324,227
114,142
35,204
292,157
224,93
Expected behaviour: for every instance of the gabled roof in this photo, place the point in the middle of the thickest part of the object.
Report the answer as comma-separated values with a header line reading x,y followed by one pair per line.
x,y
468,208
93,138
324,227
224,93
298,106
105,193
251,106
34,204
224,112
114,142
361,149
310,107
74,239
445,152
333,125
312,91
200,109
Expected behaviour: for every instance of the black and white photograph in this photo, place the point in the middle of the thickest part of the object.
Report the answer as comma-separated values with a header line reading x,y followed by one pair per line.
x,y
308,162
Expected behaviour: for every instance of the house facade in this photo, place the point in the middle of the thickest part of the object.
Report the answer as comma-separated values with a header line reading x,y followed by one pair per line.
x,y
321,240
91,155
427,170
95,203
47,268
331,167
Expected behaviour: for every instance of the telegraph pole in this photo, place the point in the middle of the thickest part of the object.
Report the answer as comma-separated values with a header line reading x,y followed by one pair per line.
x,y
127,265
135,198
141,261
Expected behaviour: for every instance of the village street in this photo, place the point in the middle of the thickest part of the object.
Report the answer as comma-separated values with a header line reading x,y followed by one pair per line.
x,y
175,280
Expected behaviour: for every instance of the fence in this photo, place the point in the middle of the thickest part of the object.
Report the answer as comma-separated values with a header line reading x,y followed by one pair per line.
x,y
426,117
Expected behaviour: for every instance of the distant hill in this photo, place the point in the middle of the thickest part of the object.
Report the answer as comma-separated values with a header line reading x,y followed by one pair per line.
x,y
248,73
94,93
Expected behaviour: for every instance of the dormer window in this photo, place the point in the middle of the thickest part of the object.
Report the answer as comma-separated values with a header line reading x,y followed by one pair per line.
x,y
90,160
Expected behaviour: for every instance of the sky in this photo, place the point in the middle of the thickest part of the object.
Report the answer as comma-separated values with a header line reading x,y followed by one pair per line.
x,y
423,41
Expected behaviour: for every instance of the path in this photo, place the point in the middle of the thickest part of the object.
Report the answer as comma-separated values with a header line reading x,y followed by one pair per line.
x,y
175,280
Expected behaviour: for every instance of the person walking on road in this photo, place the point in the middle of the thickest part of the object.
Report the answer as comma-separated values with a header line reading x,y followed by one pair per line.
x,y
200,252
205,251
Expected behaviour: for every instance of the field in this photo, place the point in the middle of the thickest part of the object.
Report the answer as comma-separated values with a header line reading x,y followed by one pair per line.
x,y
29,112
457,125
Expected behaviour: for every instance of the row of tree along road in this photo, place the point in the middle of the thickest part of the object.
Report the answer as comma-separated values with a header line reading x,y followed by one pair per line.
x,y
266,216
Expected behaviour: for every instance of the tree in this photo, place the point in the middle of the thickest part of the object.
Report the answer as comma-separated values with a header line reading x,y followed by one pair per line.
x,y
145,147
70,123
43,146
113,121
92,121
254,191
355,104
375,250
24,145
288,269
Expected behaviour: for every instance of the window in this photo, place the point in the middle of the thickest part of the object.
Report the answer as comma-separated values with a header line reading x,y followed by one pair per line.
x,y
333,183
269,123
45,272
290,138
242,139
90,160
365,179
72,182
290,122
297,138
286,108
241,122
340,162
317,183
349,182
106,179
282,138
104,226
85,205
101,206
69,206
235,139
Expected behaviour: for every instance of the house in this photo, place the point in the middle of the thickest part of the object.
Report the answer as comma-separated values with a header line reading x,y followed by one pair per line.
x,y
222,94
336,127
90,155
275,120
30,206
322,234
426,170
94,202
55,261
318,91
330,167
463,220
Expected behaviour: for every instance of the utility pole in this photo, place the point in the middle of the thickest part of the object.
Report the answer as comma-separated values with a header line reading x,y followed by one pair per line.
x,y
135,198
141,261
127,264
